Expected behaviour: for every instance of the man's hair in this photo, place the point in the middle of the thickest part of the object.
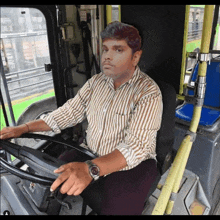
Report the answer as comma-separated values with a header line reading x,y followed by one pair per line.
x,y
121,31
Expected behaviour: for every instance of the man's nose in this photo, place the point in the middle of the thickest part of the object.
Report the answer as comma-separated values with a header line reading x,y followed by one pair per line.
x,y
108,55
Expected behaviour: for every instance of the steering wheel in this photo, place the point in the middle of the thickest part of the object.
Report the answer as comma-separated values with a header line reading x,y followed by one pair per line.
x,y
40,162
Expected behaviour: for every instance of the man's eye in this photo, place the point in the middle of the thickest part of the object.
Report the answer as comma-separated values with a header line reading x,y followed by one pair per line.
x,y
119,50
104,50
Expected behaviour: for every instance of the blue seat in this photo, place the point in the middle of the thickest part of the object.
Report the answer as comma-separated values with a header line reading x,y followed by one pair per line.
x,y
212,97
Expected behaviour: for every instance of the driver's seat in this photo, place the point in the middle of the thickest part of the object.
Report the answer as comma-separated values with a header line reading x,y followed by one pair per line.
x,y
165,139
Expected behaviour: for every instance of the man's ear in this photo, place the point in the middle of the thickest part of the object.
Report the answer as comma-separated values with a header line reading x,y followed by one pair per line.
x,y
136,57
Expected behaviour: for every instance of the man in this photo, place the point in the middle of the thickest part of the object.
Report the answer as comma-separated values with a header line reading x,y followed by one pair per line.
x,y
123,107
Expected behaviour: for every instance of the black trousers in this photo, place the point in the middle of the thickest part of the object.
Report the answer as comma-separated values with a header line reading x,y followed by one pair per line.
x,y
122,192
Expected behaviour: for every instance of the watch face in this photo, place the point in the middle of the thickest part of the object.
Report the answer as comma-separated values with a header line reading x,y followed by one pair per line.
x,y
94,170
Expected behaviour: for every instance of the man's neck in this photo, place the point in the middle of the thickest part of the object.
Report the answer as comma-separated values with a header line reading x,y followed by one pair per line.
x,y
123,79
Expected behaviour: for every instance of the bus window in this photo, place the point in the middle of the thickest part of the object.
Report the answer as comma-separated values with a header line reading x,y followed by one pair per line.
x,y
195,23
196,15
195,33
217,38
113,13
24,51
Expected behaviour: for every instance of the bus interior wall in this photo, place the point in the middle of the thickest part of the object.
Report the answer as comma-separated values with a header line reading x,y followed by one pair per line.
x,y
161,28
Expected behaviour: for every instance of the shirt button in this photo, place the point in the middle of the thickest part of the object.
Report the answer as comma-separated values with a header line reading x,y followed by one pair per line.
x,y
100,131
104,110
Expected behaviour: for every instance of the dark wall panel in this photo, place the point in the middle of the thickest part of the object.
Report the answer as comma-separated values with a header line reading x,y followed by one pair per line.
x,y
161,28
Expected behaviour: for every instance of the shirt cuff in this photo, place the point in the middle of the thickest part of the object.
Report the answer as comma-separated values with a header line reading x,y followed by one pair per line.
x,y
128,154
49,120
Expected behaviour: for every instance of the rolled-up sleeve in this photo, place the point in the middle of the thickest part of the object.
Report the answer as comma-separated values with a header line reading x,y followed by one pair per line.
x,y
139,143
71,113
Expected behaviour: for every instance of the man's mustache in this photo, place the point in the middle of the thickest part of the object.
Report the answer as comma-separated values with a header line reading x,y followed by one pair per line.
x,y
107,63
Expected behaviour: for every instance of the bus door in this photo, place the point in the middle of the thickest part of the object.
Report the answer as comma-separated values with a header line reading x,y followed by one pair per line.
x,y
27,84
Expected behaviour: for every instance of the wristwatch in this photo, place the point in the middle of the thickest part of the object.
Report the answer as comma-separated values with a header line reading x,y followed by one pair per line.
x,y
93,170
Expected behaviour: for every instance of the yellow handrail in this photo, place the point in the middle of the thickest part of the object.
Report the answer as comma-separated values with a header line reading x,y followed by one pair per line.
x,y
185,36
163,199
108,14
176,171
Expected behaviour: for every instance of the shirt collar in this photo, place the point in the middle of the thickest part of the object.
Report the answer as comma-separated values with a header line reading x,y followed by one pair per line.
x,y
135,76
109,81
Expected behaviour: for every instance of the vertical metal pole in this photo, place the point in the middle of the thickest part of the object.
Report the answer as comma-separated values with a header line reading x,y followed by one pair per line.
x,y
100,21
3,109
8,100
215,21
7,92
93,32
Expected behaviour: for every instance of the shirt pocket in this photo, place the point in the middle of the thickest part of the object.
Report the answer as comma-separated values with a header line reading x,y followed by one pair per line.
x,y
120,121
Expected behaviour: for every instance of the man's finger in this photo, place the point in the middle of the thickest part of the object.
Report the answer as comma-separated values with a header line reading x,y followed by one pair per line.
x,y
77,192
60,169
5,136
64,176
2,135
72,191
70,183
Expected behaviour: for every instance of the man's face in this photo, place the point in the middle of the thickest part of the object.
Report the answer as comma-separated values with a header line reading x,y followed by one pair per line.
x,y
117,60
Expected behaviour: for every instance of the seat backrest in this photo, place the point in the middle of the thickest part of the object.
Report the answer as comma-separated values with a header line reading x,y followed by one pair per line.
x,y
165,136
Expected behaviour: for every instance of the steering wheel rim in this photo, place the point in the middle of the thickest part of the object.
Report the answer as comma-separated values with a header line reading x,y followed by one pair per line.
x,y
56,140
34,177
25,175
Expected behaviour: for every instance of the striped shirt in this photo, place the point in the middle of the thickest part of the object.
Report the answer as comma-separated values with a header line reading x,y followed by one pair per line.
x,y
126,119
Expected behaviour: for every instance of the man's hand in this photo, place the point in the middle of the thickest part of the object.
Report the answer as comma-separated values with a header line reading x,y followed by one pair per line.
x,y
76,176
12,132
17,131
